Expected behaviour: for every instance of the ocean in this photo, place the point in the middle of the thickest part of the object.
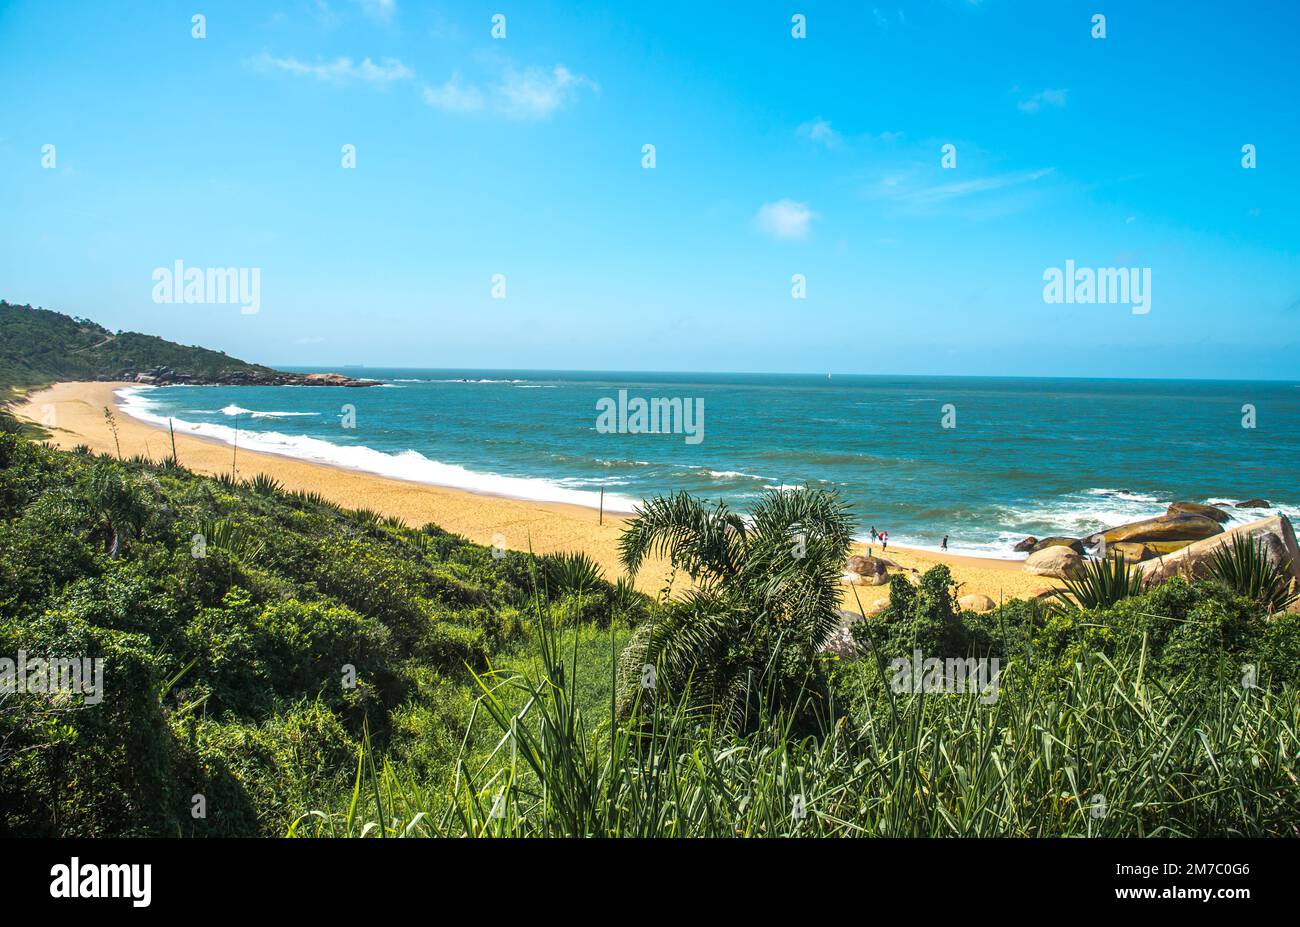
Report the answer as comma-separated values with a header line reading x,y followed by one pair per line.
x,y
985,461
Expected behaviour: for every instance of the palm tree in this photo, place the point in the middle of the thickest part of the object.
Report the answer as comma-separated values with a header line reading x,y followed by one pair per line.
x,y
117,506
764,597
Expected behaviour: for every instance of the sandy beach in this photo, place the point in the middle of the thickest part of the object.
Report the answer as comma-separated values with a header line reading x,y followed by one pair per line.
x,y
73,413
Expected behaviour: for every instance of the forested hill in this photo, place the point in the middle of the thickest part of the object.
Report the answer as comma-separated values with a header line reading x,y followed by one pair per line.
x,y
41,346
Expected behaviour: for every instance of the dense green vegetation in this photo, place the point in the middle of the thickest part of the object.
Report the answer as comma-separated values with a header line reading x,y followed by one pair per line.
x,y
1174,713
315,671
246,674
40,346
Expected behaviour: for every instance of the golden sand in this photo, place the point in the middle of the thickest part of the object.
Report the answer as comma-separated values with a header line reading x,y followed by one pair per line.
x,y
75,413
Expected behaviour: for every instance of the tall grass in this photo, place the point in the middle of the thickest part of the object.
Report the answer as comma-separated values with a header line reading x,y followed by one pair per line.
x,y
1106,751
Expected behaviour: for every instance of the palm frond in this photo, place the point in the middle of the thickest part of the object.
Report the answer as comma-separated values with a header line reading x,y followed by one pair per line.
x,y
692,536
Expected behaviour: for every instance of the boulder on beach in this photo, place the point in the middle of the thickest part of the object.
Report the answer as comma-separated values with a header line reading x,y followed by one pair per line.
x,y
1275,535
841,643
865,571
1027,544
1254,504
1073,543
1162,528
1196,508
1129,550
1061,562
1134,551
976,602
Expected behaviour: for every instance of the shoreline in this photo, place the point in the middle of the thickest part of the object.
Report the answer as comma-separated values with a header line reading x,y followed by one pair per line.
x,y
483,518
342,467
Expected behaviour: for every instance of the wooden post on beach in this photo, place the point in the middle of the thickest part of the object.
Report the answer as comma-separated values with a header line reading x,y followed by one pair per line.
x,y
602,505
172,431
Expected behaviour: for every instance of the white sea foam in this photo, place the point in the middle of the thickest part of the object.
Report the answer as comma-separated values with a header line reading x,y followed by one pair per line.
x,y
999,549
233,410
735,474
408,465
1080,514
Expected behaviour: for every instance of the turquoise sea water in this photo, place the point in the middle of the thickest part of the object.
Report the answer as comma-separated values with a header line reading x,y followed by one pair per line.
x,y
1026,456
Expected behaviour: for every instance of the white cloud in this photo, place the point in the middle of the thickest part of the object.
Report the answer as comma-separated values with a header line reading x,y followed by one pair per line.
x,y
535,93
1041,99
381,10
900,190
453,96
340,70
932,196
819,130
532,94
785,220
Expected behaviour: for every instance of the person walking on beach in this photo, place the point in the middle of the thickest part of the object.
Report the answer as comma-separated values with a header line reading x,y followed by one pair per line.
x,y
873,533
884,540
943,545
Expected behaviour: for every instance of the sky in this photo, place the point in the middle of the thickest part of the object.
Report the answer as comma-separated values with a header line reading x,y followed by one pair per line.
x,y
774,156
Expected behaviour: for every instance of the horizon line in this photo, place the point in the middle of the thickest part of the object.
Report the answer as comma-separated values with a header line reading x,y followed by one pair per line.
x,y
778,373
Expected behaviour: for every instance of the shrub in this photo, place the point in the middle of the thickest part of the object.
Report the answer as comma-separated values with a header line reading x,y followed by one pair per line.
x,y
1104,582
256,778
264,485
572,572
1242,565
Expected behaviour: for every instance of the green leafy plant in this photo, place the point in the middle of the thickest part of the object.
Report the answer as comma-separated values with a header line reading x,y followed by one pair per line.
x,y
1242,565
311,497
571,572
118,505
265,485
232,538
1104,582
765,596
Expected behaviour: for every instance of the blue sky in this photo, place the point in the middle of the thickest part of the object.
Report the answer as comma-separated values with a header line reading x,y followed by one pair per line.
x,y
775,156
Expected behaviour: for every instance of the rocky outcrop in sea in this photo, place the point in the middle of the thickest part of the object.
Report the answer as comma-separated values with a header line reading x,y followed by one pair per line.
x,y
166,376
